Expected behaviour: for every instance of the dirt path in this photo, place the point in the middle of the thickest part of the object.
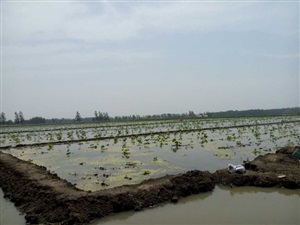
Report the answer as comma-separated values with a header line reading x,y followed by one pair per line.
x,y
47,199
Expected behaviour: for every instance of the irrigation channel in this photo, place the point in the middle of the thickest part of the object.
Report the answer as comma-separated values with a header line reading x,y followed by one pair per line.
x,y
99,160
240,205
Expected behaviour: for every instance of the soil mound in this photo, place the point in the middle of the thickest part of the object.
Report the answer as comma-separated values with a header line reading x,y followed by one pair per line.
x,y
270,170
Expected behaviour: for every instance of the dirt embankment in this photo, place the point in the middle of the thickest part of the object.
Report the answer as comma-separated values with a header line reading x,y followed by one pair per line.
x,y
47,199
270,170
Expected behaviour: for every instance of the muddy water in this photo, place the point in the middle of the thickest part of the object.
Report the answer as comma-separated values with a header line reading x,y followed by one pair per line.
x,y
245,205
9,215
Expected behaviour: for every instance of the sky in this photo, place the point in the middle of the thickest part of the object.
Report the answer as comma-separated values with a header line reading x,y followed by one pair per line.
x,y
147,57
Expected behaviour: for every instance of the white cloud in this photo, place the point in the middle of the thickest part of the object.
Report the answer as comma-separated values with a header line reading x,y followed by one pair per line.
x,y
58,21
80,48
74,21
33,59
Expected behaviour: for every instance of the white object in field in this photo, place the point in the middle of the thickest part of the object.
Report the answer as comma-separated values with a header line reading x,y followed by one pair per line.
x,y
236,168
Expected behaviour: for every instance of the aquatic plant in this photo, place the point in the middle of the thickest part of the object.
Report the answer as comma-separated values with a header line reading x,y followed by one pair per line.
x,y
58,136
126,153
146,172
50,146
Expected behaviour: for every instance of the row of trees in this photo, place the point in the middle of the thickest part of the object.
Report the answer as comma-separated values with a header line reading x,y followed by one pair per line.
x,y
103,116
99,116
19,119
256,112
190,114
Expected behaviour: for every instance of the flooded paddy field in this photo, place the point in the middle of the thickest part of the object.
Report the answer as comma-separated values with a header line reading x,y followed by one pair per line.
x,y
102,164
11,136
142,154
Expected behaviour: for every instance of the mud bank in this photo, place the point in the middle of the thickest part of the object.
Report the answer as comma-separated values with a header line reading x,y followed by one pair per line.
x,y
47,199
270,170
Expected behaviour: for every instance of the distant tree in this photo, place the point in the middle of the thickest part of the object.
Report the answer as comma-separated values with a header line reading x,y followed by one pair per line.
x,y
9,122
17,118
105,116
2,118
21,117
37,120
191,114
78,117
208,114
100,116
96,116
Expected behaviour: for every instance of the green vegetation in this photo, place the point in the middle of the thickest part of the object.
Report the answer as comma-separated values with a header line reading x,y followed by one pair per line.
x,y
104,117
119,153
256,112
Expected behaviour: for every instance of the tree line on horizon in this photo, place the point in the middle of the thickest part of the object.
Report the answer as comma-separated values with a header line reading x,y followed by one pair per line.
x,y
256,112
104,116
98,117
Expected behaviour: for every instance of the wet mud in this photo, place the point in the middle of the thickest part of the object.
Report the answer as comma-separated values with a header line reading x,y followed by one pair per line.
x,y
271,170
47,199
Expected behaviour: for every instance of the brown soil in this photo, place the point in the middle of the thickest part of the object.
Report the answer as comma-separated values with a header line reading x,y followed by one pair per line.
x,y
47,199
270,170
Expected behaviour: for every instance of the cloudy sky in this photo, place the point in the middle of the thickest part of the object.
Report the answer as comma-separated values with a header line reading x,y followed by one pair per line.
x,y
134,57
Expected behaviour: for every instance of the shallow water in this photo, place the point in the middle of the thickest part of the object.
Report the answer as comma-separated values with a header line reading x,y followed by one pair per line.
x,y
243,205
97,165
49,133
9,215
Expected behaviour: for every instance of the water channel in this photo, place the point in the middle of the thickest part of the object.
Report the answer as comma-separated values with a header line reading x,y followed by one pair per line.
x,y
242,205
